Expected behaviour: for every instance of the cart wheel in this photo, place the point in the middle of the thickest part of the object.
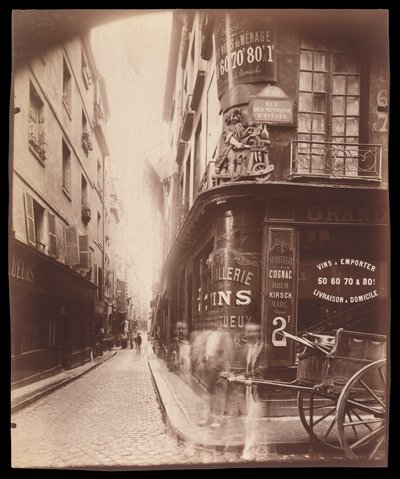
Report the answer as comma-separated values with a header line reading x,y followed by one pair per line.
x,y
323,430
361,412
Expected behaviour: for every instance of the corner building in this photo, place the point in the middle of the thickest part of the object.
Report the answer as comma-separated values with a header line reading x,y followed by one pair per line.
x,y
287,227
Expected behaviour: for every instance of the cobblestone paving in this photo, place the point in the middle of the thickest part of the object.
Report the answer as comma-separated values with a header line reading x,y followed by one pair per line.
x,y
107,418
111,418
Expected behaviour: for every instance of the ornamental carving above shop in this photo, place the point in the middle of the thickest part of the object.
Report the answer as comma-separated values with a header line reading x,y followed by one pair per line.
x,y
244,152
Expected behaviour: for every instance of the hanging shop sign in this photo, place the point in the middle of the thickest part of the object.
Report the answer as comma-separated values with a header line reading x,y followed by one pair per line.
x,y
274,111
345,280
280,287
245,50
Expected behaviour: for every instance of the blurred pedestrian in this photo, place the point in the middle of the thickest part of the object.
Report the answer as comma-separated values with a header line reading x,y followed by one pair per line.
x,y
138,343
218,353
254,363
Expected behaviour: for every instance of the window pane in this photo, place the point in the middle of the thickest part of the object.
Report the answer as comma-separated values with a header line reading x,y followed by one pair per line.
x,y
338,126
352,139
339,63
319,124
304,123
320,61
318,138
305,60
319,82
339,84
351,126
305,101
319,102
338,139
352,64
353,106
353,85
305,81
305,137
338,105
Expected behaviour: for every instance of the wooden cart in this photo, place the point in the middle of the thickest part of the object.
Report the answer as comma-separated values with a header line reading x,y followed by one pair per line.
x,y
342,390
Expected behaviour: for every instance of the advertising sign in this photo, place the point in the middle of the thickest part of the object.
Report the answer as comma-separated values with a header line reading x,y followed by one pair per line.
x,y
234,295
280,287
245,50
345,280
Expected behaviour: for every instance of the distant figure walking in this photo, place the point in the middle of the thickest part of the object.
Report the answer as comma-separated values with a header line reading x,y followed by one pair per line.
x,y
138,343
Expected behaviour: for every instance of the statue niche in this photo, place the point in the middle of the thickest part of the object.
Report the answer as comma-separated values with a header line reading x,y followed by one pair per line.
x,y
244,151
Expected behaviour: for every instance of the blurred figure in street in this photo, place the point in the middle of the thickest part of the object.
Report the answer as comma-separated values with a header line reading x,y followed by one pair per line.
x,y
253,360
130,341
138,343
218,353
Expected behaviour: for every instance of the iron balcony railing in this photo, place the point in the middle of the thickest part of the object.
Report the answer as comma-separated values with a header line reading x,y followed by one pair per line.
x,y
208,180
336,160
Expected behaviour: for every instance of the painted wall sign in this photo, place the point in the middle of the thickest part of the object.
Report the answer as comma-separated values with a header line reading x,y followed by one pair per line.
x,y
280,287
22,269
345,214
245,50
272,110
234,292
345,280
234,285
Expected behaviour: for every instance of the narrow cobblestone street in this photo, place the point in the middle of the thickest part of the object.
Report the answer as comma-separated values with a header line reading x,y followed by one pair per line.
x,y
109,417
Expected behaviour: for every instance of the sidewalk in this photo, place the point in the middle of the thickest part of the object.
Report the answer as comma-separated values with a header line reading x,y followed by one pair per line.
x,y
182,408
26,395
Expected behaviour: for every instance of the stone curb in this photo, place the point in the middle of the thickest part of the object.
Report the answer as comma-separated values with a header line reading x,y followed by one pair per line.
x,y
176,419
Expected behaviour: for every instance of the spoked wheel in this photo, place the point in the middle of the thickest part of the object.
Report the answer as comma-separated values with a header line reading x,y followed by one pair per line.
x,y
361,412
323,409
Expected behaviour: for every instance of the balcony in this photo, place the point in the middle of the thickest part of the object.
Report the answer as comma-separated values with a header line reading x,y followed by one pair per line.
x,y
348,161
208,181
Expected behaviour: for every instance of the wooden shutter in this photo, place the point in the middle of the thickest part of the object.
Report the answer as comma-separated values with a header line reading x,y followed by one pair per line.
x,y
71,246
30,220
51,221
84,253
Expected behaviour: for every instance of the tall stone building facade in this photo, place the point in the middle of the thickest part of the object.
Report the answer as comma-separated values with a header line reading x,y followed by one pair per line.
x,y
58,164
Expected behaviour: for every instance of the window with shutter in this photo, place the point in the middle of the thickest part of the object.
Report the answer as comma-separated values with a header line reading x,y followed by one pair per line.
x,y
51,221
30,220
84,253
71,246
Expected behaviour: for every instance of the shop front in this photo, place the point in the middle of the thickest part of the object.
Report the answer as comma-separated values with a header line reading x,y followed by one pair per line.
x,y
290,258
51,313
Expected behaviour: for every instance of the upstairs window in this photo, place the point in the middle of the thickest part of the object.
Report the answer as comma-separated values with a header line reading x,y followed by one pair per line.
x,y
85,71
329,107
67,87
86,140
99,176
35,225
37,143
66,163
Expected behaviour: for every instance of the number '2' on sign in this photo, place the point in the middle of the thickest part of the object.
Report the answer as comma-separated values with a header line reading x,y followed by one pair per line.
x,y
278,339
